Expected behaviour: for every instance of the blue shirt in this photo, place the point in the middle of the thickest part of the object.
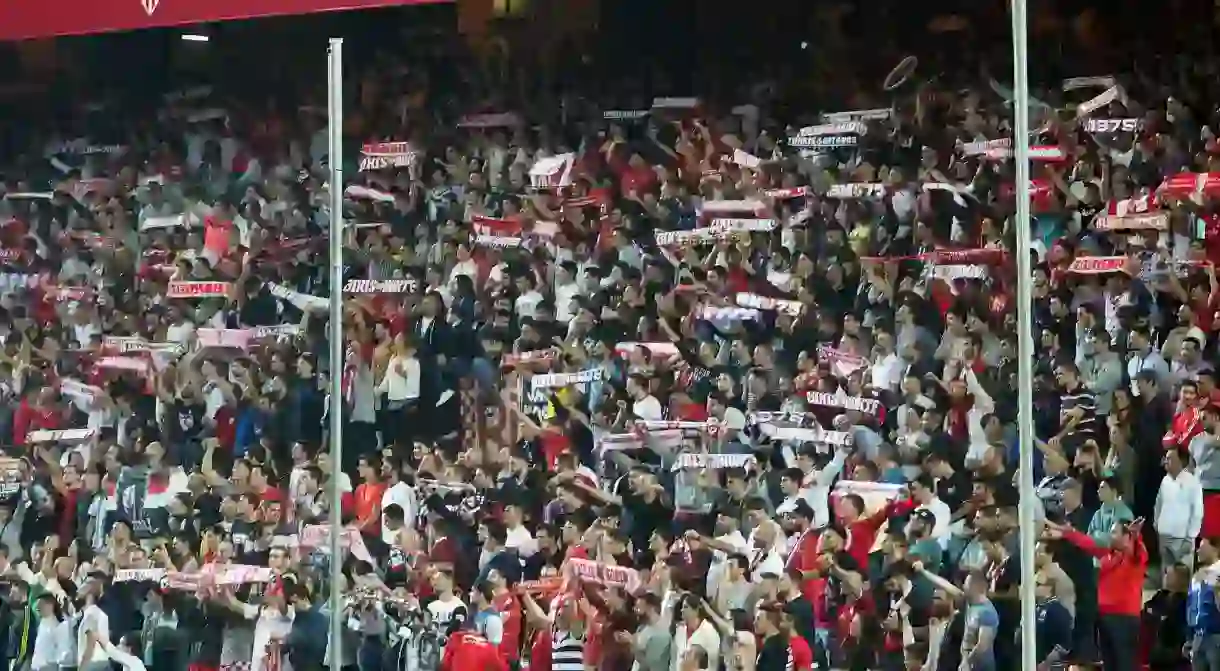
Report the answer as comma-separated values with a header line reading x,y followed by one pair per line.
x,y
1202,614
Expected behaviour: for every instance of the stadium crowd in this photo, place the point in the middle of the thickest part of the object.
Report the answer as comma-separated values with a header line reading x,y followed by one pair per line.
x,y
655,382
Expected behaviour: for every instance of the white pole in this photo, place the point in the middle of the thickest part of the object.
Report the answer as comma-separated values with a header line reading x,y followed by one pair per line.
x,y
1025,337
334,100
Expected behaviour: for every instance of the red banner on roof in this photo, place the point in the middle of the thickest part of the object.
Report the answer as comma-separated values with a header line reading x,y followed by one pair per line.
x,y
28,19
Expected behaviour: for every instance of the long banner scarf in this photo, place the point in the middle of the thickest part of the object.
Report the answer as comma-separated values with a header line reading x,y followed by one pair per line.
x,y
947,257
1151,221
1074,83
1187,184
225,338
984,147
714,313
787,194
210,575
604,574
698,236
879,114
1103,126
855,191
79,391
655,349
544,357
379,155
1112,94
164,223
552,380
497,241
803,434
318,536
749,300
552,172
403,286
840,360
729,206
865,405
823,141
65,436
732,225
180,289
951,273
1098,265
302,302
358,192
713,461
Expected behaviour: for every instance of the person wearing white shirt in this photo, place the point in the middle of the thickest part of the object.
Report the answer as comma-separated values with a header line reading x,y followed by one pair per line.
x,y
767,544
887,367
48,643
923,491
124,655
528,299
644,405
1179,510
566,289
397,493
400,382
94,629
695,629
816,487
518,536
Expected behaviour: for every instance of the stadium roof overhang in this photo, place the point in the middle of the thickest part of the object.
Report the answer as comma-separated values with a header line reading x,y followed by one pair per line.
x,y
31,19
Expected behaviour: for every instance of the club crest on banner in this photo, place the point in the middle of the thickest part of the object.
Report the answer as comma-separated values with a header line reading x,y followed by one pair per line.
x,y
149,6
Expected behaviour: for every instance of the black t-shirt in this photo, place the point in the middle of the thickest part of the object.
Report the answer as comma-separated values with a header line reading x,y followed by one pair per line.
x,y
187,420
954,490
260,310
646,517
773,654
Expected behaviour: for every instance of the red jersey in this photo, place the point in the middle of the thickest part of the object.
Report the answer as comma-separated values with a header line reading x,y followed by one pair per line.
x,y
804,557
1186,424
800,655
510,611
1120,575
862,533
471,652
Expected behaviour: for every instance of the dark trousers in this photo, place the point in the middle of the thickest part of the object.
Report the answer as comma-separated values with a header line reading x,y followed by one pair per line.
x,y
1118,637
1084,626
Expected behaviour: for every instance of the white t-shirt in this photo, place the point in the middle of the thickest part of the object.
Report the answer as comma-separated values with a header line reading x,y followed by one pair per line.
x,y
403,496
92,619
446,612
526,302
522,540
647,408
269,625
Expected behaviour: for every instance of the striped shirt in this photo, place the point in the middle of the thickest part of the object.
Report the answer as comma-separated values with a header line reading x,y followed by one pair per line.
x,y
1089,426
567,652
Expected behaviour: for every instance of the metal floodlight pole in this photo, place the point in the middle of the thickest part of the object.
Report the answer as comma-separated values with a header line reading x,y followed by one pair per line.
x,y
334,104
1025,337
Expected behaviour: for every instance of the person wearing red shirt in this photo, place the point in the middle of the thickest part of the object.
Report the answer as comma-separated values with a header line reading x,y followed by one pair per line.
x,y
35,412
800,655
506,604
862,529
368,496
803,558
470,652
1187,421
1120,588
